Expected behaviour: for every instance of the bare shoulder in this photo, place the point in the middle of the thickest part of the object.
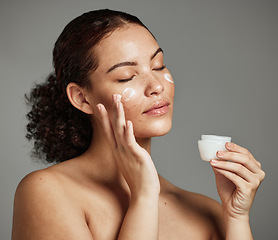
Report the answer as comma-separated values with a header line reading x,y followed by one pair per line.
x,y
39,199
35,179
38,186
203,210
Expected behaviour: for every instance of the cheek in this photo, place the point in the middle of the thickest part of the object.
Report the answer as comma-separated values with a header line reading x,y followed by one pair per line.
x,y
103,95
128,94
130,103
170,86
168,77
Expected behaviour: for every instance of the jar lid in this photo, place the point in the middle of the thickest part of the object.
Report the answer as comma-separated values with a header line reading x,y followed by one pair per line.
x,y
216,138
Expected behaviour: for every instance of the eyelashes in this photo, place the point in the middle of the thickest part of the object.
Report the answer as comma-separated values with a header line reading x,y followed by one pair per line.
x,y
129,79
126,80
159,69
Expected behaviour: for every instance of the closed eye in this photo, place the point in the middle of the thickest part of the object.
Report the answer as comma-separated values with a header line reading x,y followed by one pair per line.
x,y
159,69
125,80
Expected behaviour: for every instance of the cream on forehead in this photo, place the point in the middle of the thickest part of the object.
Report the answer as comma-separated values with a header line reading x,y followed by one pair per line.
x,y
168,77
128,94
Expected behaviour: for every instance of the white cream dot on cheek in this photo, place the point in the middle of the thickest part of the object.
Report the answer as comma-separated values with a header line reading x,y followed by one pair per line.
x,y
128,93
168,77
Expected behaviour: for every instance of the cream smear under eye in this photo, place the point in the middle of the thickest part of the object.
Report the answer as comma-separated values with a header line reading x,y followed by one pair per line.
x,y
168,77
128,93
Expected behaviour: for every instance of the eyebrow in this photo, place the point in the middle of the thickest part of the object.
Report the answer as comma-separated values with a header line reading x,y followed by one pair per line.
x,y
122,64
157,52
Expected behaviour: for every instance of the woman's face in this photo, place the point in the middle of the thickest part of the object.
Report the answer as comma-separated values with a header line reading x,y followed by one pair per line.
x,y
131,64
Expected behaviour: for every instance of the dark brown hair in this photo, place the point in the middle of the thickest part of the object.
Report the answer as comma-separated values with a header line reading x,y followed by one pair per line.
x,y
60,131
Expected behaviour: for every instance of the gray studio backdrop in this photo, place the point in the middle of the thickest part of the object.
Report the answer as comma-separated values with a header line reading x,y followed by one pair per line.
x,y
223,57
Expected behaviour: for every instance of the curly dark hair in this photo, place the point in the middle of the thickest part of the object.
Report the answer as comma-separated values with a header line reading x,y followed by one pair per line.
x,y
59,130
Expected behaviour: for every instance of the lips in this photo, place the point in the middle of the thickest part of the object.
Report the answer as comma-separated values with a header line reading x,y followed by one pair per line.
x,y
158,108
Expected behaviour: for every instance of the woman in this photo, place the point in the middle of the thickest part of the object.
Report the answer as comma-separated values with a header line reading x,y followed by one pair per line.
x,y
95,117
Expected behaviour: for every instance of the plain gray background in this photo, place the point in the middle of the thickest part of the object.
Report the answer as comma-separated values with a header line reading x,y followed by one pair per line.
x,y
223,57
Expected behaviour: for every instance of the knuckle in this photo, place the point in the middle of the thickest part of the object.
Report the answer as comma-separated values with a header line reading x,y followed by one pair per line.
x,y
238,167
249,161
133,150
245,159
247,152
263,175
130,146
249,155
249,158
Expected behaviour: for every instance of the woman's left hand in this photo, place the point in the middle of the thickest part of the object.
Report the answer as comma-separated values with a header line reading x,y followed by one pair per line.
x,y
237,179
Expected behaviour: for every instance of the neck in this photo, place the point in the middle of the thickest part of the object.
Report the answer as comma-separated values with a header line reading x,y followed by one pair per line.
x,y
100,163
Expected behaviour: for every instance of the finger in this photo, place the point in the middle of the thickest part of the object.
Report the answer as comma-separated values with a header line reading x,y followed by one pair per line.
x,y
243,159
233,177
236,148
236,168
131,141
118,123
106,124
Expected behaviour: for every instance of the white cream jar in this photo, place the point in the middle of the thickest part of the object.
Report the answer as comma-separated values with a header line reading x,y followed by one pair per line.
x,y
210,144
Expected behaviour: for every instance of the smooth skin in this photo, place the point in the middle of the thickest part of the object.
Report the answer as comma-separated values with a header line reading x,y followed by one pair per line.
x,y
113,190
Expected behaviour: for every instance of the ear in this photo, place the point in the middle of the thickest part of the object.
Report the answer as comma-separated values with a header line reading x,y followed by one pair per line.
x,y
77,97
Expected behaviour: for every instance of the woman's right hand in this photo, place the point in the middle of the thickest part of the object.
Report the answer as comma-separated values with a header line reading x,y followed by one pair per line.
x,y
134,162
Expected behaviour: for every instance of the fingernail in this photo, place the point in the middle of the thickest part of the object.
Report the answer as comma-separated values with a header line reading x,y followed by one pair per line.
x,y
99,107
117,97
229,145
220,154
213,162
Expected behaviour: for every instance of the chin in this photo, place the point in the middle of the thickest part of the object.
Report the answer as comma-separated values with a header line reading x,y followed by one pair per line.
x,y
156,129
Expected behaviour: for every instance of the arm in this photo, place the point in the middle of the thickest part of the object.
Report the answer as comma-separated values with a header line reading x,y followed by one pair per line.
x,y
138,170
237,180
42,211
141,220
238,228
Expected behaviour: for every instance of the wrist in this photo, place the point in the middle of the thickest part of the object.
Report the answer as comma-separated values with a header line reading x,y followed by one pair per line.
x,y
144,198
240,220
238,227
234,218
145,194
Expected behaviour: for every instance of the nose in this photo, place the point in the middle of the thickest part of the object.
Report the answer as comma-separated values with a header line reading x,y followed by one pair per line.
x,y
154,86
